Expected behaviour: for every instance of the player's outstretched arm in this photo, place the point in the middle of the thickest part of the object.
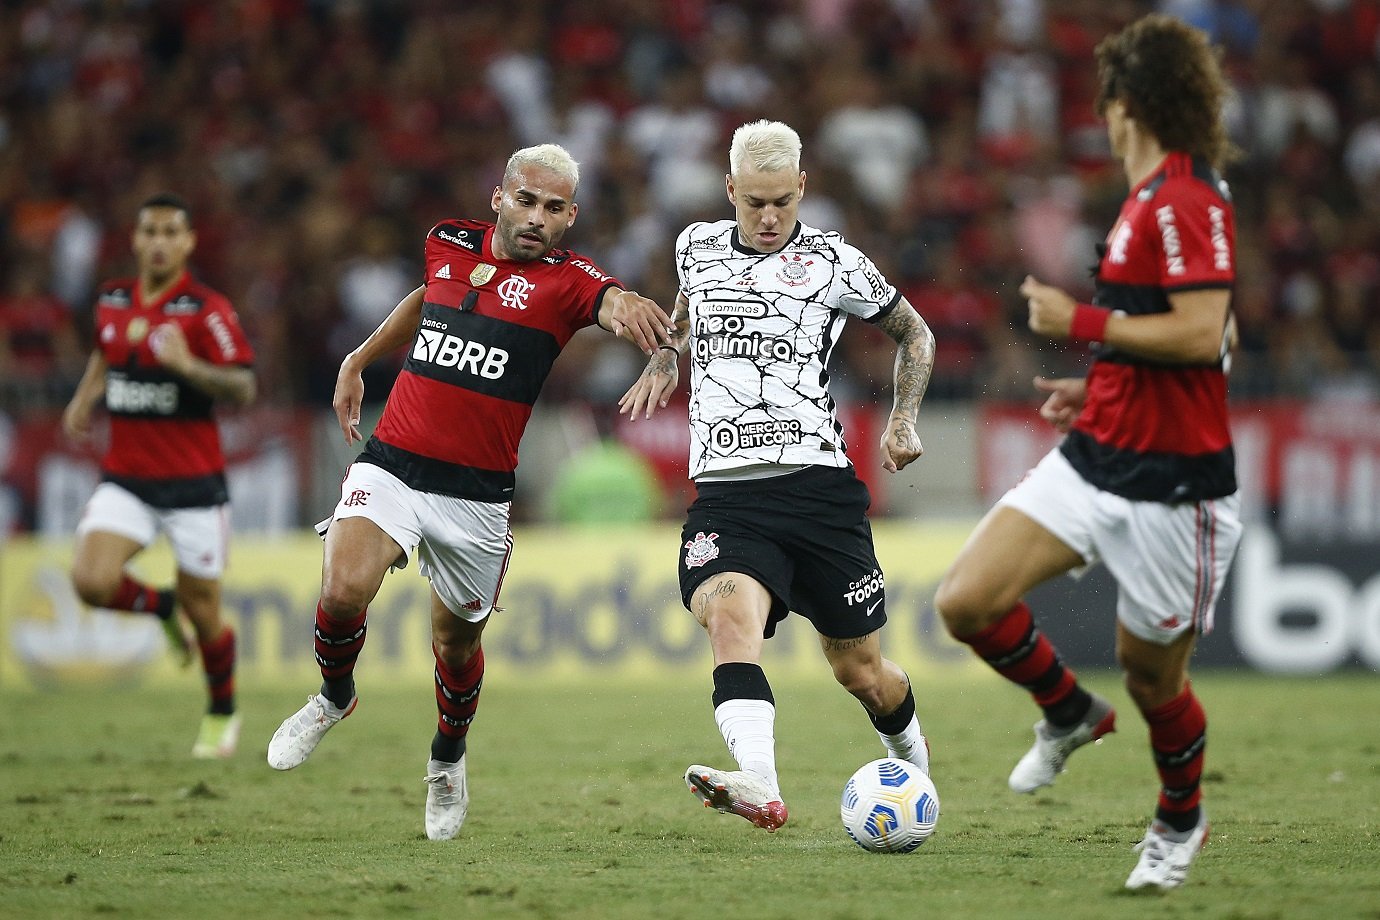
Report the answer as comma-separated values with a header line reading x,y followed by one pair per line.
x,y
653,389
396,330
911,378
629,315
76,418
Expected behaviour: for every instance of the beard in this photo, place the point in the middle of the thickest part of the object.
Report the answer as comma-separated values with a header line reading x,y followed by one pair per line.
x,y
514,242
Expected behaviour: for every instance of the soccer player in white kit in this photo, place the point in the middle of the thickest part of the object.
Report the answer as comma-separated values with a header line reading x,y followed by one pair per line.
x,y
1145,480
779,523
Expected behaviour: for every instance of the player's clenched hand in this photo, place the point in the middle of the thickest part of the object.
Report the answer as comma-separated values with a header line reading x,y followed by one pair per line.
x,y
638,318
1066,396
349,396
900,445
169,346
1051,310
653,389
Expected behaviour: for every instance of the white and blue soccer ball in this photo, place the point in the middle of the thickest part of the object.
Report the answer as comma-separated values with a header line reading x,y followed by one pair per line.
x,y
889,806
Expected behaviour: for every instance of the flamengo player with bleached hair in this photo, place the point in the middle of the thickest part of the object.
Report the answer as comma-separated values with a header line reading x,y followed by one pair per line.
x,y
1145,480
779,522
167,348
498,303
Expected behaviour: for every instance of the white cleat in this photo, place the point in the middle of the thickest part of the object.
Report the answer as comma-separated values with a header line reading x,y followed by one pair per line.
x,y
302,731
737,792
1045,759
447,798
1164,859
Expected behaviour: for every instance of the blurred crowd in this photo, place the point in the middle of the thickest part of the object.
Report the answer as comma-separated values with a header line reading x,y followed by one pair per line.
x,y
954,141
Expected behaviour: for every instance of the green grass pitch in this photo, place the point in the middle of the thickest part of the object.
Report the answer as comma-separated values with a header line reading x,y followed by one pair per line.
x,y
578,808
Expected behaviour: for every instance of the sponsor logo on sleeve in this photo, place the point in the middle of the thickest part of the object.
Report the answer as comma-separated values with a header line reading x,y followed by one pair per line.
x,y
220,331
1169,233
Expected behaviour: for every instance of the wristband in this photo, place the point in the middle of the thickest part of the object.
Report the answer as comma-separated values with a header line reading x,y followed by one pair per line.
x,y
670,348
1089,323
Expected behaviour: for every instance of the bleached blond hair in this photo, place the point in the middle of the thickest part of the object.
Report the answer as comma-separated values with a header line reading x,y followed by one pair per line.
x,y
548,156
766,146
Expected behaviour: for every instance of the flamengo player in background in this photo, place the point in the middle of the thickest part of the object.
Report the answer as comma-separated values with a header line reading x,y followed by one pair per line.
x,y
498,304
166,348
1145,480
779,521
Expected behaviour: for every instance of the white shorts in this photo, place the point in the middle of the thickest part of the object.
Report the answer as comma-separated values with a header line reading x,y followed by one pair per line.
x,y
1169,560
463,546
199,536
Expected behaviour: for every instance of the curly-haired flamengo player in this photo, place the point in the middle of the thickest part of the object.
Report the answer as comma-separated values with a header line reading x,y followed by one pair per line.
x,y
1145,479
167,348
498,304
779,522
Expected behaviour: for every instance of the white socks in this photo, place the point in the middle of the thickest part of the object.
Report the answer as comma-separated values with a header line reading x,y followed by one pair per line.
x,y
748,727
908,746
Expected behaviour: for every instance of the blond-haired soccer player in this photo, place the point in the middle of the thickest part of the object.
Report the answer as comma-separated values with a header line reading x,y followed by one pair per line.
x,y
499,303
779,522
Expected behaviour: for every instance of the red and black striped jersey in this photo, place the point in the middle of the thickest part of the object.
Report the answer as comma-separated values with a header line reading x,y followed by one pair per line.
x,y
1154,431
164,444
490,330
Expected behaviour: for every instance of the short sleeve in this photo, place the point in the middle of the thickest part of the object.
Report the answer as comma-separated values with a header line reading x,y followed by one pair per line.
x,y
224,340
1196,231
863,291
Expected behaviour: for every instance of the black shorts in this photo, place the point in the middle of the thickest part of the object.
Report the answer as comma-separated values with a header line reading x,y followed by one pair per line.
x,y
805,536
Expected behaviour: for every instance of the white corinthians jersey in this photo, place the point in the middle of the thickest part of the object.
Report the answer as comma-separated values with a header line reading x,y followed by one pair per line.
x,y
762,328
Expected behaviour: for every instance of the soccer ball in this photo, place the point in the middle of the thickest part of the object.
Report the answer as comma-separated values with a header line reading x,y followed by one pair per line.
x,y
889,806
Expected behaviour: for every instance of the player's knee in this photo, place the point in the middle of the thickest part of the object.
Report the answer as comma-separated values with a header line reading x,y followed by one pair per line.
x,y
93,586
343,598
454,653
1150,688
862,680
964,610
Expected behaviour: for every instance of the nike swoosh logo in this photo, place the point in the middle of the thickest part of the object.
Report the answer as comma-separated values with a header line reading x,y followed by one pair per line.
x,y
874,606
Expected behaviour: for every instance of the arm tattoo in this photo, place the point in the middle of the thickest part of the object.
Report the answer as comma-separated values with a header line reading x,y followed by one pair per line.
x,y
664,360
914,357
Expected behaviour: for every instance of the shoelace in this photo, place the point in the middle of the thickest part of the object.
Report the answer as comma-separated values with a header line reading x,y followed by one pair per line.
x,y
445,789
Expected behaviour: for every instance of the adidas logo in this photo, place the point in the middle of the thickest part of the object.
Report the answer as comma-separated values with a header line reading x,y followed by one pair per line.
x,y
443,271
475,605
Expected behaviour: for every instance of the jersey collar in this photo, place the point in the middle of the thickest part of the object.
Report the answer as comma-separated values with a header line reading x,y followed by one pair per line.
x,y
738,246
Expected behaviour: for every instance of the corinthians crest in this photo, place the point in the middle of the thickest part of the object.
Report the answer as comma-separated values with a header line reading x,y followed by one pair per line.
x,y
794,270
700,550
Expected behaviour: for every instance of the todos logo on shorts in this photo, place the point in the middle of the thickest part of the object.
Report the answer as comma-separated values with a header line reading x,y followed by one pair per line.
x,y
730,437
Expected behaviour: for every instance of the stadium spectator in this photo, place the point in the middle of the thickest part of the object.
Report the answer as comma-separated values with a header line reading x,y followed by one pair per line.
x,y
167,348
499,303
378,109
1145,479
779,522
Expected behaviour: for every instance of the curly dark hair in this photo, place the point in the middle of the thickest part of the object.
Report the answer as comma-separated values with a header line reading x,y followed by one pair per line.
x,y
1170,79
